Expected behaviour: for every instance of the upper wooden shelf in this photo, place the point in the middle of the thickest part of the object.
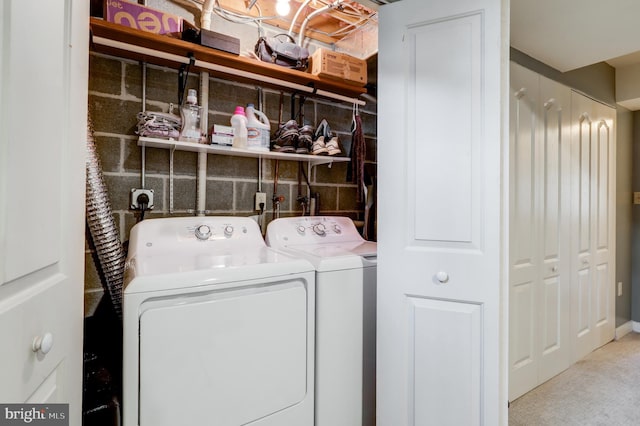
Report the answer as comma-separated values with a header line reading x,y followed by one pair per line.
x,y
118,40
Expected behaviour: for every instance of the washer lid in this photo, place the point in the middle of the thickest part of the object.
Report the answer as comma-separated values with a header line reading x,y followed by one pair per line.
x,y
337,249
169,271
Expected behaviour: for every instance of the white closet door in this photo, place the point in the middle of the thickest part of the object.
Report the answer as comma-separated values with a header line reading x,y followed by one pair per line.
x,y
43,104
523,125
582,278
593,147
554,285
440,354
540,212
603,180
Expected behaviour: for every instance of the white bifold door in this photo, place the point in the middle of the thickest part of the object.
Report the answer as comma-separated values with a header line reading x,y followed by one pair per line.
x,y
44,51
560,302
440,248
593,227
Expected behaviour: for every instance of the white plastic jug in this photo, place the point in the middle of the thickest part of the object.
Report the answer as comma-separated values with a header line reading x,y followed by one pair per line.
x,y
239,123
258,129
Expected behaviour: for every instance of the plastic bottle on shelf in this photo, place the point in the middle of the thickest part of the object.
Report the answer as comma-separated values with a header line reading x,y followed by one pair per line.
x,y
258,129
190,113
239,124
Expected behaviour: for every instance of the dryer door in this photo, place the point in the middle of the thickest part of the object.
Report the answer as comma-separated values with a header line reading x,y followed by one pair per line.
x,y
225,357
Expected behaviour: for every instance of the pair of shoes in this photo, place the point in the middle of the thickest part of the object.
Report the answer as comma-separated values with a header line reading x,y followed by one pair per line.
x,y
291,138
286,137
325,143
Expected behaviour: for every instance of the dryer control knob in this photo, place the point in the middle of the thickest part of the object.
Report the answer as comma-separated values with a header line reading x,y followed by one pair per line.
x,y
337,229
228,231
203,232
319,229
301,229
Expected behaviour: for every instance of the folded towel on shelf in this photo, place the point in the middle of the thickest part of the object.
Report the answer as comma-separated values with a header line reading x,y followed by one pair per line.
x,y
158,125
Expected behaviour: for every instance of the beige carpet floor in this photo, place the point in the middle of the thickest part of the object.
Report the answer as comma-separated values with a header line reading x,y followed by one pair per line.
x,y
602,389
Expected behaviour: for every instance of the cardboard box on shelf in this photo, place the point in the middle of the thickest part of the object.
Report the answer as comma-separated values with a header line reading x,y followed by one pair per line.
x,y
339,66
141,17
222,135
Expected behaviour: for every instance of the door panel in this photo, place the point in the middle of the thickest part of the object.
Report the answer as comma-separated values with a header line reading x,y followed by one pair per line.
x,y
450,376
521,341
601,311
603,140
27,86
427,78
551,320
440,135
43,104
584,178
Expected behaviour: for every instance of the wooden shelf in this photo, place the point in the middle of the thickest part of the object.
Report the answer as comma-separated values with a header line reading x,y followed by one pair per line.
x,y
118,40
224,150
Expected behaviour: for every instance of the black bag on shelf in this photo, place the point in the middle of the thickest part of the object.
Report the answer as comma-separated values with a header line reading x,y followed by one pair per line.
x,y
284,53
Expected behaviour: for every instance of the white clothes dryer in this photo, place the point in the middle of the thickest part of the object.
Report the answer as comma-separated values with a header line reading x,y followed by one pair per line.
x,y
345,266
218,328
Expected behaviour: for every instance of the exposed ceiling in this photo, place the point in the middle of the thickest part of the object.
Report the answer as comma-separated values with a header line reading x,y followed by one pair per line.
x,y
329,24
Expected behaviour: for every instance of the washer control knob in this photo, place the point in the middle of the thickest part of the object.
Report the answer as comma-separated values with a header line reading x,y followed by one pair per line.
x,y
337,229
203,232
42,344
228,231
319,229
301,229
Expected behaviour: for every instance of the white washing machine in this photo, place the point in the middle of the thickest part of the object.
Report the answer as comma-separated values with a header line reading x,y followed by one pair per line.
x,y
345,313
218,327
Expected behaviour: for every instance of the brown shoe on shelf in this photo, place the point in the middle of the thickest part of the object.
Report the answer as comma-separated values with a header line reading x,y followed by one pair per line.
x,y
305,139
286,137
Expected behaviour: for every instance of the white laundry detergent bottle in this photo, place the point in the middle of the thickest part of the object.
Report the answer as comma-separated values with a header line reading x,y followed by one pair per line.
x,y
239,123
258,129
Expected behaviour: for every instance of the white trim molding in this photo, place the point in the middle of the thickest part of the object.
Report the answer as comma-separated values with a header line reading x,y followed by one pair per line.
x,y
627,328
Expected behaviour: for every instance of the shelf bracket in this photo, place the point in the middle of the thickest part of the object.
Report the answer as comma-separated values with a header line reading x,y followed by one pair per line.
x,y
183,75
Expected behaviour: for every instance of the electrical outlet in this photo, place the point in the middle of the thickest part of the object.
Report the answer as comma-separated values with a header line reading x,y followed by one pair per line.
x,y
620,289
135,193
261,198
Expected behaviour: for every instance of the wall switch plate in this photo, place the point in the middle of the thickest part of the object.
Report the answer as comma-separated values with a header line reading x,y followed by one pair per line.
x,y
636,198
620,289
261,198
135,193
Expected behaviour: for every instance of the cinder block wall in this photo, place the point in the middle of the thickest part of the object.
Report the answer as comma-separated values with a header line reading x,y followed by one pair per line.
x,y
115,97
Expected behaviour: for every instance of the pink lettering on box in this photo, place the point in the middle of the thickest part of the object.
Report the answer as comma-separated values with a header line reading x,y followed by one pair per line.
x,y
141,17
